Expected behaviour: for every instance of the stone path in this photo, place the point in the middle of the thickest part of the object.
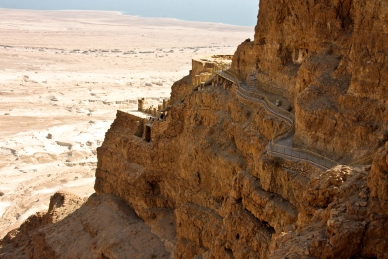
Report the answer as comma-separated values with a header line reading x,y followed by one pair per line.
x,y
281,145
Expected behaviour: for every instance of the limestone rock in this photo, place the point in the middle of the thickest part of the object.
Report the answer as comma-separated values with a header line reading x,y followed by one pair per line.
x,y
327,57
101,227
203,183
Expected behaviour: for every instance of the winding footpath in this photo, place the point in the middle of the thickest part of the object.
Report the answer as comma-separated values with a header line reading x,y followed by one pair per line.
x,y
279,146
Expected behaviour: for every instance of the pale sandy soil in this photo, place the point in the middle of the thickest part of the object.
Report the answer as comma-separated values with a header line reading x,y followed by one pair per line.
x,y
62,72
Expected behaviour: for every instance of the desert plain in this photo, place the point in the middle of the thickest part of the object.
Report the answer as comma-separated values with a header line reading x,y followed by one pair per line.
x,y
64,75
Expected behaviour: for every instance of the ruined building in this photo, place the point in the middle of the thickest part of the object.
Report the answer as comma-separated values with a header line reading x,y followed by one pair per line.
x,y
284,155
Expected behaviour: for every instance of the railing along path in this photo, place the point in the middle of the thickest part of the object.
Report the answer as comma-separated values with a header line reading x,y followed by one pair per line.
x,y
274,147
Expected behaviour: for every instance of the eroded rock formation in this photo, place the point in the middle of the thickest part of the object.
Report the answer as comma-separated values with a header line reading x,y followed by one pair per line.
x,y
329,57
101,227
204,184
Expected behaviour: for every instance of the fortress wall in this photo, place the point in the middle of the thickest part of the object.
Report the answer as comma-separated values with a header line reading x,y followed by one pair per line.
x,y
199,66
131,122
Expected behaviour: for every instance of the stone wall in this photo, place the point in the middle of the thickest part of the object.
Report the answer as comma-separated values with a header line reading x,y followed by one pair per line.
x,y
202,70
181,89
199,66
130,123
209,64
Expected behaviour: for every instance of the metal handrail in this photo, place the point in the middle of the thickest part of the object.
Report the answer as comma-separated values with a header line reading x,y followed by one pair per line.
x,y
296,153
272,107
273,147
313,157
367,161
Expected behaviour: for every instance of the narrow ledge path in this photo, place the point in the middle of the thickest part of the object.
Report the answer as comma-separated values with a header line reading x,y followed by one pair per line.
x,y
280,145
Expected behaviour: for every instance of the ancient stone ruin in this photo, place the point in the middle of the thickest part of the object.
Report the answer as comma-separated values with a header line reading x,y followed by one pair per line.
x,y
160,112
282,154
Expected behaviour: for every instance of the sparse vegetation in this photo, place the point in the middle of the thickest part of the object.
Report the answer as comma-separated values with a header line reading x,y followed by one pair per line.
x,y
276,162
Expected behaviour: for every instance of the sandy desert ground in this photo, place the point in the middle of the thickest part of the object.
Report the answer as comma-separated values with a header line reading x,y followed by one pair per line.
x,y
62,77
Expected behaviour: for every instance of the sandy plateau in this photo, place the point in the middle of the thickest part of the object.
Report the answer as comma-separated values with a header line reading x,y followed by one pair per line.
x,y
63,75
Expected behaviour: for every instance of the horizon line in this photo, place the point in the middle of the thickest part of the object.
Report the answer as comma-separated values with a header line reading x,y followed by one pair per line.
x,y
126,14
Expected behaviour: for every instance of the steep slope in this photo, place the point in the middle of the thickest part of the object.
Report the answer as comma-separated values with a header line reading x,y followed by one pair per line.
x,y
329,57
100,227
208,165
205,179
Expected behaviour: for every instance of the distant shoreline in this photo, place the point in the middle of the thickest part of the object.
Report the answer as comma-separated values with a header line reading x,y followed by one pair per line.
x,y
180,20
124,13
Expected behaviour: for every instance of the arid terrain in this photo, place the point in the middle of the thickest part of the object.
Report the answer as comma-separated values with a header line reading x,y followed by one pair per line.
x,y
277,151
63,76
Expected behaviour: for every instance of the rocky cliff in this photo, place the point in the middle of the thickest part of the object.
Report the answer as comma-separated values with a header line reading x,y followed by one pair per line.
x,y
329,58
206,182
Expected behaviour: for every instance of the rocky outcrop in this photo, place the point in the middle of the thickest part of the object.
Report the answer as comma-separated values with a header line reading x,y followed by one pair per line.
x,y
101,227
376,236
230,199
203,182
28,241
328,58
180,89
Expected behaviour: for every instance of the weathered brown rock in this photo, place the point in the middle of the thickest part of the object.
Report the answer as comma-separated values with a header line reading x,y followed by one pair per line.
x,y
230,199
376,236
102,227
180,89
329,58
203,179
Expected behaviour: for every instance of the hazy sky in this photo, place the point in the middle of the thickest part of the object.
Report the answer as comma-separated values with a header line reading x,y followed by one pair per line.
x,y
237,12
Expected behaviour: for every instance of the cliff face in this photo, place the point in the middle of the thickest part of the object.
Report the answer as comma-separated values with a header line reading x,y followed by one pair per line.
x,y
204,182
100,227
221,137
329,58
207,169
207,164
